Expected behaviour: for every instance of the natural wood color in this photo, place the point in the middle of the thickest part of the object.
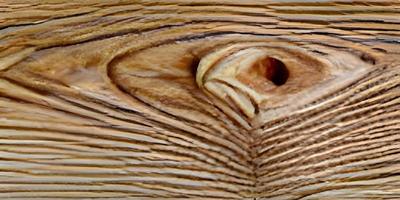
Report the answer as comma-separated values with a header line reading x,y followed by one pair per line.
x,y
199,99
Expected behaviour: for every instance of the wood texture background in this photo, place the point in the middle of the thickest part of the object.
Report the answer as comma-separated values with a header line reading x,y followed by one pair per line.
x,y
179,99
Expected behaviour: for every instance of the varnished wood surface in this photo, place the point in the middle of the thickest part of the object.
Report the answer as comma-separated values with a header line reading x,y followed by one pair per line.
x,y
178,99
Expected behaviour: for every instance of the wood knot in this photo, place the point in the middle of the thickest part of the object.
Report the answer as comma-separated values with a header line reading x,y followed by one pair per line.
x,y
246,78
239,74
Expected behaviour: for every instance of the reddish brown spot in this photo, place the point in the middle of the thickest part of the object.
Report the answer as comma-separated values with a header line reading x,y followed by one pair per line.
x,y
276,71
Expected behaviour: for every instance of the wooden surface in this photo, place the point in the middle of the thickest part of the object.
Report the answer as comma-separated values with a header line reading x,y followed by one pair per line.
x,y
200,99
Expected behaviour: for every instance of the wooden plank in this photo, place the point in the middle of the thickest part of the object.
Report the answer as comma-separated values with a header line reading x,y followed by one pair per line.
x,y
177,99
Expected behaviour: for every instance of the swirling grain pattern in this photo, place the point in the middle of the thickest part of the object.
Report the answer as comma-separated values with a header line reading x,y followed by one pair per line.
x,y
199,99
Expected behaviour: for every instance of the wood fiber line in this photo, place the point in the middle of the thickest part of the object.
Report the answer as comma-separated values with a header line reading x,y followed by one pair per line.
x,y
177,99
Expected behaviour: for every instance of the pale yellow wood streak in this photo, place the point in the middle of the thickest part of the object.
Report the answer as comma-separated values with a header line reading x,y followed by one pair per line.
x,y
200,99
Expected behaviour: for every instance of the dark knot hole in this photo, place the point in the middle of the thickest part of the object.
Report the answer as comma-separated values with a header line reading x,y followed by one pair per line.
x,y
276,71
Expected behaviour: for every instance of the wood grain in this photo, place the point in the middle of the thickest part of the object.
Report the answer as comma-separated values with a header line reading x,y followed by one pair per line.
x,y
199,99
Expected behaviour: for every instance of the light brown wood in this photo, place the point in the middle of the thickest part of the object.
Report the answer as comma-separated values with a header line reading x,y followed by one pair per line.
x,y
177,99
